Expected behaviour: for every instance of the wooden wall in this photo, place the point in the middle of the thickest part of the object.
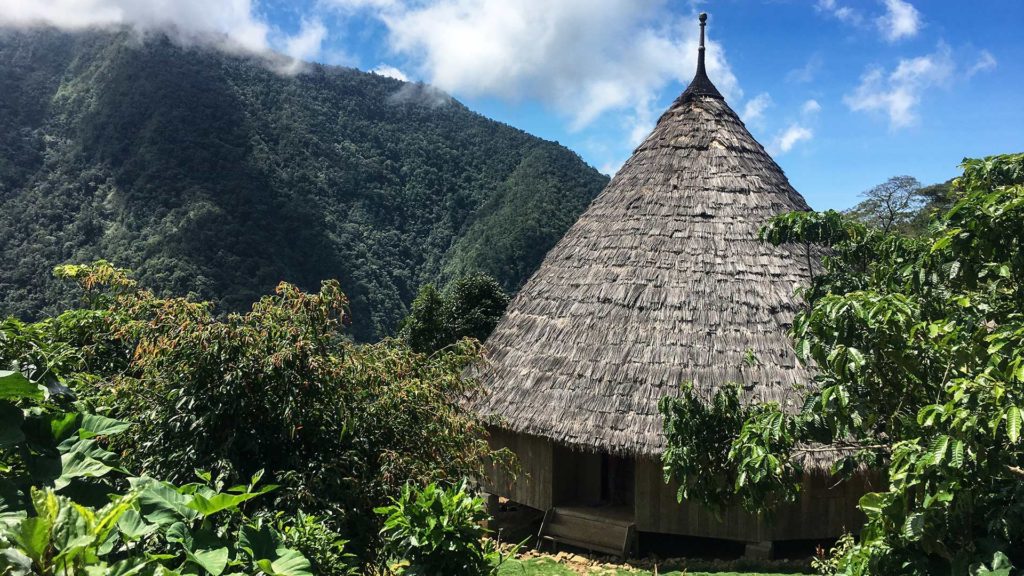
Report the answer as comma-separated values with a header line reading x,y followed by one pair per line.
x,y
531,484
822,511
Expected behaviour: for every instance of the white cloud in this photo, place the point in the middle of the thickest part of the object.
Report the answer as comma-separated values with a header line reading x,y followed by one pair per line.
x,y
785,140
361,4
807,72
611,167
233,18
839,12
640,122
580,60
810,107
898,93
231,24
901,20
390,72
755,107
986,61
306,44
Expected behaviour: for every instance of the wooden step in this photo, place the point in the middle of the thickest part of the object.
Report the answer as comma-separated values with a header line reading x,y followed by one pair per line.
x,y
596,529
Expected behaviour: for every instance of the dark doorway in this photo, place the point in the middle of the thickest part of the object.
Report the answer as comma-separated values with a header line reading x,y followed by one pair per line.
x,y
592,479
617,478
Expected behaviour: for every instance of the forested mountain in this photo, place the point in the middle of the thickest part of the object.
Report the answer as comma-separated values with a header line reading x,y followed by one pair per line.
x,y
213,174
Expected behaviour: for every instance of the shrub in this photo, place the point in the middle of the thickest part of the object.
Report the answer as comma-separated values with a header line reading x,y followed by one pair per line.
x,y
65,509
318,542
437,531
341,427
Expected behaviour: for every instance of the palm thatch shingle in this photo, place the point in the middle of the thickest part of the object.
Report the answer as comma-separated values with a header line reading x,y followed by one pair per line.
x,y
661,281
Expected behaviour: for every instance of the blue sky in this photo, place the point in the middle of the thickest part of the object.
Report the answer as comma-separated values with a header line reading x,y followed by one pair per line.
x,y
843,93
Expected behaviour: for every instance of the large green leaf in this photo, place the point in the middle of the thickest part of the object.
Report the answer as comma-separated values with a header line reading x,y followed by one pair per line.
x,y
62,426
96,425
162,504
218,502
15,386
133,527
212,560
32,535
260,543
288,563
179,533
14,563
873,502
82,459
72,530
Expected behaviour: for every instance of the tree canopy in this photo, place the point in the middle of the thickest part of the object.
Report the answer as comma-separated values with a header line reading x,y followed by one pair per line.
x,y
919,347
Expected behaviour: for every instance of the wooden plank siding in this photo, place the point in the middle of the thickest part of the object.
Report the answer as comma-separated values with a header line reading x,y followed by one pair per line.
x,y
823,510
550,475
531,482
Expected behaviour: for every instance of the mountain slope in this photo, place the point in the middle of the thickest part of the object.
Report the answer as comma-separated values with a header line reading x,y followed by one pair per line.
x,y
213,174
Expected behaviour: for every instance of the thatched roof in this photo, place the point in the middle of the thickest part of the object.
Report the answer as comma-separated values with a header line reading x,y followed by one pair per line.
x,y
661,281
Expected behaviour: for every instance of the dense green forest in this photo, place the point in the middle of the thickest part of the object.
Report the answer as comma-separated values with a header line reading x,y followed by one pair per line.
x,y
211,174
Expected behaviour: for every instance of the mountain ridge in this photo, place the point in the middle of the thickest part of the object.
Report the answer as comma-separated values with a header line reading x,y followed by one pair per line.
x,y
212,174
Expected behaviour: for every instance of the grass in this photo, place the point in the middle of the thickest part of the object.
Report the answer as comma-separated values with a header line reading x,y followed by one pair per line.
x,y
549,567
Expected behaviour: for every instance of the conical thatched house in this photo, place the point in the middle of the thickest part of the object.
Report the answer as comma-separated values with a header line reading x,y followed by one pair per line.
x,y
662,280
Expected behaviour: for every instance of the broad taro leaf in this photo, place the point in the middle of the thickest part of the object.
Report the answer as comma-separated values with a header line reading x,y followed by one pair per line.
x,y
260,543
218,502
288,563
82,459
95,425
62,426
161,503
213,560
133,527
179,533
15,386
14,563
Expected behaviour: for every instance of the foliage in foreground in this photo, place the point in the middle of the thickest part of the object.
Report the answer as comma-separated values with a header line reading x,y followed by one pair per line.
x,y
919,343
438,531
67,509
340,427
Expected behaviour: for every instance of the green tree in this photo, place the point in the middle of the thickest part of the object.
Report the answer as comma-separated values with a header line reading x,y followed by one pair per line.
x,y
469,307
474,306
425,328
919,347
892,205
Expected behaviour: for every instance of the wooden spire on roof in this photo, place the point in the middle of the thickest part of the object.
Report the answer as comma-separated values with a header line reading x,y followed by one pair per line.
x,y
701,85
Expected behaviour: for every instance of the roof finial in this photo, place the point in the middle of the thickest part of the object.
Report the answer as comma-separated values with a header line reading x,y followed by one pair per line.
x,y
700,51
701,85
